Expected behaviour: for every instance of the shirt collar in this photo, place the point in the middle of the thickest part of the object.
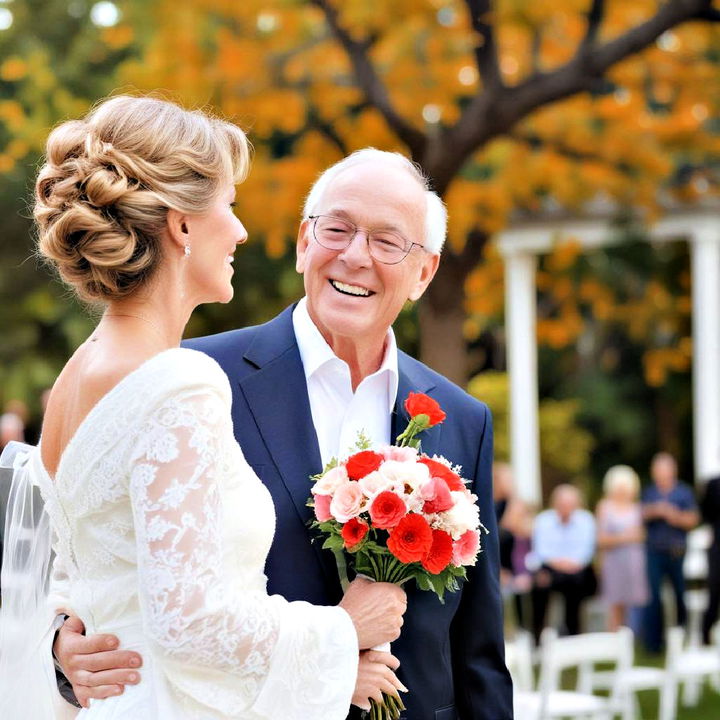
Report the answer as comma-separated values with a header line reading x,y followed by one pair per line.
x,y
315,352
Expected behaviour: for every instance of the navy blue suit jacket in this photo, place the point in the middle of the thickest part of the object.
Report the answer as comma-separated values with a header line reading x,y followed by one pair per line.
x,y
451,655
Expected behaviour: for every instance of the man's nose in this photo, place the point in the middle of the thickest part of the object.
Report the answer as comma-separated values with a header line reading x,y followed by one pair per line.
x,y
357,253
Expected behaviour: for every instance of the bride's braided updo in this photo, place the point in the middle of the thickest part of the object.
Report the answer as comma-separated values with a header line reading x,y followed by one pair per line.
x,y
102,197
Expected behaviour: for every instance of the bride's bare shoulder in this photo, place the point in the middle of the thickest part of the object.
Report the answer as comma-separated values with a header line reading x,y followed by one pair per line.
x,y
90,374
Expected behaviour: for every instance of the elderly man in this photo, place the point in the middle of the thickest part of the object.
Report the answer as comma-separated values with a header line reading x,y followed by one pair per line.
x,y
305,383
563,549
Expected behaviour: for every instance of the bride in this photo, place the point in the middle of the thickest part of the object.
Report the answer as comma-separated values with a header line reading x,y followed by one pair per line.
x,y
160,527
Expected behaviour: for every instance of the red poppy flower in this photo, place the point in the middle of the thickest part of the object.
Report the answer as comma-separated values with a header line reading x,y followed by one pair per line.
x,y
440,553
411,539
353,532
420,404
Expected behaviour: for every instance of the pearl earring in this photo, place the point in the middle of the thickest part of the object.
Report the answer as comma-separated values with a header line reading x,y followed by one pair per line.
x,y
187,251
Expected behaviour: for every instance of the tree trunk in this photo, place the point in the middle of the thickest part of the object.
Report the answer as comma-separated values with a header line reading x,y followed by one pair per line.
x,y
442,315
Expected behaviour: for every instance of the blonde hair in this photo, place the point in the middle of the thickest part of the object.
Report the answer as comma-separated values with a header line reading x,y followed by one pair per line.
x,y
621,476
435,211
102,196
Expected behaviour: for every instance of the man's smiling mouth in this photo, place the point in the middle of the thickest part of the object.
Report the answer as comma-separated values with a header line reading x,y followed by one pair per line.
x,y
354,290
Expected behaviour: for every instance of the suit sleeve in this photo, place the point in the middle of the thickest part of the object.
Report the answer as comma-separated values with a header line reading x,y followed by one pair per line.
x,y
483,689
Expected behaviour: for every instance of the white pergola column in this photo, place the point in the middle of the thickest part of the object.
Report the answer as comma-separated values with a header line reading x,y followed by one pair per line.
x,y
705,265
520,322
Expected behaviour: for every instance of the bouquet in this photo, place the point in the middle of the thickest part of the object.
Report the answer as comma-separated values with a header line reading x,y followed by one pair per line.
x,y
395,514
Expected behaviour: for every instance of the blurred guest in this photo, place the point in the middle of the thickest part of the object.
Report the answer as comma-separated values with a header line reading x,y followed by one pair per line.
x,y
563,547
12,427
514,532
669,511
620,537
710,508
503,491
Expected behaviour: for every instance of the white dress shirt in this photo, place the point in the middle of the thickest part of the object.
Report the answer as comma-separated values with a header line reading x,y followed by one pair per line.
x,y
339,414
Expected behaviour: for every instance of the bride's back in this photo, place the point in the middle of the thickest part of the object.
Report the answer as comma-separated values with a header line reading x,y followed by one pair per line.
x,y
95,368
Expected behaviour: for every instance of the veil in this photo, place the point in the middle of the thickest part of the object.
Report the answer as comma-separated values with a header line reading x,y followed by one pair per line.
x,y
27,675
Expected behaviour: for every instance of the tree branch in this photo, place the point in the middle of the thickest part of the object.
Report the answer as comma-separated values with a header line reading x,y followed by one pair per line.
x,y
327,129
594,17
370,82
490,115
486,53
535,141
709,15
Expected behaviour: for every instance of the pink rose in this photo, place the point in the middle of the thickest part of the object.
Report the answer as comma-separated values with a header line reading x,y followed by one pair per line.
x,y
437,496
347,501
322,507
328,483
465,549
402,454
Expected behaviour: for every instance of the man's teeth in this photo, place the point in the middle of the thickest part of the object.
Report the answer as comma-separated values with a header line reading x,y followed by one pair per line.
x,y
350,289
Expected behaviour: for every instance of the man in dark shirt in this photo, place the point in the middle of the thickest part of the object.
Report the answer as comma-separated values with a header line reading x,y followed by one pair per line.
x,y
669,511
710,508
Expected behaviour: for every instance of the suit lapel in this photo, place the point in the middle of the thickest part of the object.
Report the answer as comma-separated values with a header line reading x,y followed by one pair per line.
x,y
413,377
278,400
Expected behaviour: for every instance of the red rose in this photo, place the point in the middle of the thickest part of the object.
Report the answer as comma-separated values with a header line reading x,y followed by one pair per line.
x,y
440,500
438,469
420,404
387,510
353,532
411,539
440,553
363,463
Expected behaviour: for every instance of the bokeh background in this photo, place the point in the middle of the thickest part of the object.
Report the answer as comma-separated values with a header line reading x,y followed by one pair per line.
x,y
514,111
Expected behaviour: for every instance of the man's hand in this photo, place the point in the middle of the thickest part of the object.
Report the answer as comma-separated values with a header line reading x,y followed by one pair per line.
x,y
93,665
376,610
375,676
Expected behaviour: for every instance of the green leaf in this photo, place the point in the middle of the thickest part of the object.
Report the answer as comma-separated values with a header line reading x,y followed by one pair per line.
x,y
333,542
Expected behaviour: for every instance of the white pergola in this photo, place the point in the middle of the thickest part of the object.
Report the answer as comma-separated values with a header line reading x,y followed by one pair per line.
x,y
522,243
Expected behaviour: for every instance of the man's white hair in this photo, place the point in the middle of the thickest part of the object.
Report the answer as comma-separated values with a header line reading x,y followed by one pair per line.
x,y
435,213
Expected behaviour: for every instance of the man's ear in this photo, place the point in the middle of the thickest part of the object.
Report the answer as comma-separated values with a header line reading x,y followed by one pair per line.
x,y
178,228
427,273
301,246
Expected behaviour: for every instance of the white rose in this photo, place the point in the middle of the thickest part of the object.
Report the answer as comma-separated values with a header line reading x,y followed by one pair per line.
x,y
374,483
330,481
464,515
402,475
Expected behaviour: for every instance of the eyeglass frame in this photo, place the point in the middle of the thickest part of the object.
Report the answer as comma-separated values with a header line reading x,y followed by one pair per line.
x,y
367,238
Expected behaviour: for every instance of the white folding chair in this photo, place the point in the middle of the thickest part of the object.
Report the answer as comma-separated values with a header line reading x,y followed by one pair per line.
x,y
691,666
634,679
518,658
559,654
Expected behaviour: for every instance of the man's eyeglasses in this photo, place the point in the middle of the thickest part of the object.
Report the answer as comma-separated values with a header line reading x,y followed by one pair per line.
x,y
385,246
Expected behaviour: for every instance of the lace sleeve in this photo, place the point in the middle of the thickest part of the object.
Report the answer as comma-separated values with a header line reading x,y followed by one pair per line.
x,y
199,623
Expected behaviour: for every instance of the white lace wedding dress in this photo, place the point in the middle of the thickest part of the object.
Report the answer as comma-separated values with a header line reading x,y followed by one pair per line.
x,y
162,534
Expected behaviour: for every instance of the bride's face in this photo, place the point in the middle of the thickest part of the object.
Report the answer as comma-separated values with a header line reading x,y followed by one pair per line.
x,y
213,239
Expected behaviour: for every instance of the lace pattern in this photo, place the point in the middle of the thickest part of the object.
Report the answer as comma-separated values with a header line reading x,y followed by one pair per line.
x,y
163,527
